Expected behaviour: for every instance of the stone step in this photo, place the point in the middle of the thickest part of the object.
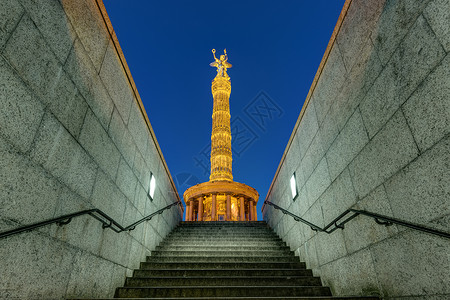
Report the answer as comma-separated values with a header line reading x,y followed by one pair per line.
x,y
235,240
221,248
216,253
222,234
221,291
240,228
246,298
223,229
221,272
219,236
206,281
222,265
218,259
223,243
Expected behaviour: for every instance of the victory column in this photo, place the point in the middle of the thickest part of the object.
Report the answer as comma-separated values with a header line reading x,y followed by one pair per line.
x,y
221,199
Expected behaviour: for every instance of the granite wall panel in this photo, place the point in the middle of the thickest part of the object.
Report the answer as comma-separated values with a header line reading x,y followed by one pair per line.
x,y
381,126
73,136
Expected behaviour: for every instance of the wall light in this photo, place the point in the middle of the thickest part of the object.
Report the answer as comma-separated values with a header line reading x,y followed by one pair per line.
x,y
151,191
293,187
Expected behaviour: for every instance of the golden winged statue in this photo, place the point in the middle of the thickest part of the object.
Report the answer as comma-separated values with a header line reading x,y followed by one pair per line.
x,y
221,64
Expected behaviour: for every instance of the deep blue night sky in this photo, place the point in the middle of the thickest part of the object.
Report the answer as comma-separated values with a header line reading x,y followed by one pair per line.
x,y
275,48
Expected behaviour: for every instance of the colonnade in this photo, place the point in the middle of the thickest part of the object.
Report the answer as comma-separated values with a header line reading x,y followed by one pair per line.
x,y
196,205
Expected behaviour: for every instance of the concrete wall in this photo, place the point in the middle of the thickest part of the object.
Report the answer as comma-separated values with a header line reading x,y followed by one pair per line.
x,y
374,134
73,136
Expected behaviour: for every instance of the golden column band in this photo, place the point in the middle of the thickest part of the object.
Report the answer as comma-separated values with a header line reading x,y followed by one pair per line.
x,y
221,199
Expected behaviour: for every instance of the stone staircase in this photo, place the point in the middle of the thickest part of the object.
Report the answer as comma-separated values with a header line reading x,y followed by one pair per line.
x,y
224,260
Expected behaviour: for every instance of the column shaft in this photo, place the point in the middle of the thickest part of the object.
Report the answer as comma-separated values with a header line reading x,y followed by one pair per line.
x,y
255,214
228,207
213,208
187,212
191,209
200,208
242,208
250,210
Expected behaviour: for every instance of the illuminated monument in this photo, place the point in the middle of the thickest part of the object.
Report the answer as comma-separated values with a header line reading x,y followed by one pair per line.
x,y
221,199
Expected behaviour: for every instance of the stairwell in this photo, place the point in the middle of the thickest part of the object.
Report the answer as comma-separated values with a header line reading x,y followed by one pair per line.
x,y
224,260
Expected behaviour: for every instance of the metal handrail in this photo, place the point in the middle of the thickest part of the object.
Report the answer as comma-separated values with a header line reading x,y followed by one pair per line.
x,y
107,221
339,222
